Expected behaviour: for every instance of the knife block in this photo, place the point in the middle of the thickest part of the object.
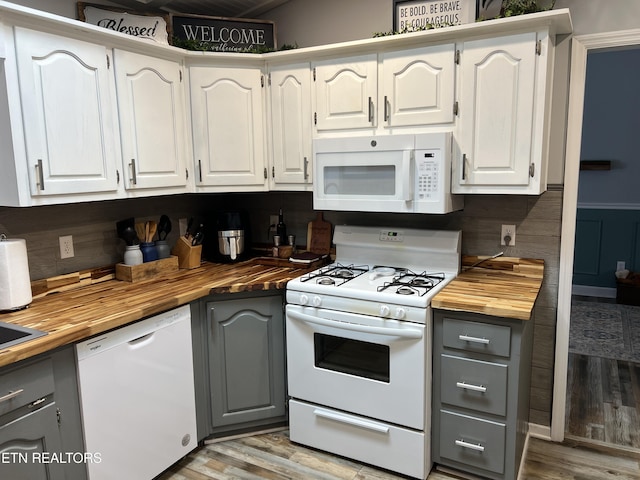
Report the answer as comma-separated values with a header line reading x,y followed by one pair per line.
x,y
188,255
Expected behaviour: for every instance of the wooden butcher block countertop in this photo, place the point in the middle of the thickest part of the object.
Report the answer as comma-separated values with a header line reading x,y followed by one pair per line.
x,y
74,315
502,287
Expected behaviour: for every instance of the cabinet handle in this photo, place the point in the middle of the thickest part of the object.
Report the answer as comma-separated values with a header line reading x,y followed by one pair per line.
x,y
37,402
200,171
11,394
370,110
132,165
40,175
358,422
467,338
386,109
306,169
464,166
471,446
470,386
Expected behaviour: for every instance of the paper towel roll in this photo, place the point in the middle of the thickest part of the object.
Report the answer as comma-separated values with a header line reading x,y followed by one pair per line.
x,y
15,283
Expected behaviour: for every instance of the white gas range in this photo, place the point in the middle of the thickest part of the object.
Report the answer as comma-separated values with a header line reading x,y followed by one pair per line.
x,y
359,345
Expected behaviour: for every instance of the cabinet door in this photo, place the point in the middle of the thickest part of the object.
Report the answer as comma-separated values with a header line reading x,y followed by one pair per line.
x,y
68,120
418,86
246,360
228,138
152,121
26,446
290,89
497,108
345,91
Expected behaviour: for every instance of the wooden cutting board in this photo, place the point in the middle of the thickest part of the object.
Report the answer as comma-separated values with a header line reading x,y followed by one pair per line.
x,y
319,235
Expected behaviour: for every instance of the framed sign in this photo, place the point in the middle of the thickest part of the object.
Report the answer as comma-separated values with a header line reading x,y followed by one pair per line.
x,y
223,34
141,25
410,15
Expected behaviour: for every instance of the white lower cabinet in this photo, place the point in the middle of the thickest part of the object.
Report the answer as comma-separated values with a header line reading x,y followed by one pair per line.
x,y
228,128
151,103
64,135
503,98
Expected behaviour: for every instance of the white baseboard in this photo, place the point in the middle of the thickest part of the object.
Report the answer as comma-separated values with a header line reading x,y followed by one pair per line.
x,y
589,291
540,431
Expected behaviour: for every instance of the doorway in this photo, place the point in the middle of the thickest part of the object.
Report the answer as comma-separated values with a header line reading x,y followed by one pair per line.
x,y
581,46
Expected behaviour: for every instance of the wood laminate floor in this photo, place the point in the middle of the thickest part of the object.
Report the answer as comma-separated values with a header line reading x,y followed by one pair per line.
x,y
603,400
273,456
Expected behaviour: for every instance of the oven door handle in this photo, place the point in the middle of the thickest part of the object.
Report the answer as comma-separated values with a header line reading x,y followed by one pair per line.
x,y
357,422
412,333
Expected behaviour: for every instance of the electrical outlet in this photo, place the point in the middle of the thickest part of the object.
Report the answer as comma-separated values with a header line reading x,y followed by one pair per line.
x,y
273,221
508,235
66,246
620,265
182,225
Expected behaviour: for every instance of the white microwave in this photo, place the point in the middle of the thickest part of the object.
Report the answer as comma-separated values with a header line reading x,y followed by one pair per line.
x,y
388,173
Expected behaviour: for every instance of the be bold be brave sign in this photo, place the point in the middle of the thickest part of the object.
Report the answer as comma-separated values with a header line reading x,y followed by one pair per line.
x,y
419,14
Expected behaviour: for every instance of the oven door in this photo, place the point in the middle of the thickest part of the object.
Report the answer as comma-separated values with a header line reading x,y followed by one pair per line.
x,y
361,364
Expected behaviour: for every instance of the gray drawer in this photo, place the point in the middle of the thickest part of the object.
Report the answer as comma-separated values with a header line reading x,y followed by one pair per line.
x,y
476,337
23,385
474,384
472,441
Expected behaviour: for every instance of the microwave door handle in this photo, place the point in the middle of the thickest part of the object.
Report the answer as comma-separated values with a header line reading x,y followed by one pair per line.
x,y
408,167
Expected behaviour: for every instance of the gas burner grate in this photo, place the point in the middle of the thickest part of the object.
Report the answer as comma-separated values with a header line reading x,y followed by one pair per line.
x,y
335,274
410,283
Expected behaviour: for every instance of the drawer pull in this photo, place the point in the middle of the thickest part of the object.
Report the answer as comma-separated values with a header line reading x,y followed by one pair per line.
x,y
470,386
471,446
37,402
467,338
11,395
357,422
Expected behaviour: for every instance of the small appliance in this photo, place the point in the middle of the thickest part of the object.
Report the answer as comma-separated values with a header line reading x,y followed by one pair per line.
x,y
230,237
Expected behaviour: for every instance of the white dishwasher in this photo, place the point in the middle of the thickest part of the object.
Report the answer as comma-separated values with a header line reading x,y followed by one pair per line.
x,y
137,397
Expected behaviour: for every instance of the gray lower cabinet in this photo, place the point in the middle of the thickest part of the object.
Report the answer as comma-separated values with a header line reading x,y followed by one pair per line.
x,y
481,377
40,430
239,362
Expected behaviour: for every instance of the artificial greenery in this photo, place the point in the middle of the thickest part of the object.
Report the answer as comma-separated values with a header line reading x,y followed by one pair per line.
x,y
512,8
200,46
428,26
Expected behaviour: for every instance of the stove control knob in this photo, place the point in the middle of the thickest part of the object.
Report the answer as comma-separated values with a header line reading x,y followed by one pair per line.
x,y
384,310
317,301
400,313
304,299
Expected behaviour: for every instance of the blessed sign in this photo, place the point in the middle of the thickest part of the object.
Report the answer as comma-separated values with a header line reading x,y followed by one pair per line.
x,y
220,34
142,26
420,14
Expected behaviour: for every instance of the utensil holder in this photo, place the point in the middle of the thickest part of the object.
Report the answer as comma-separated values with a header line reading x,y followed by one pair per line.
x,y
188,255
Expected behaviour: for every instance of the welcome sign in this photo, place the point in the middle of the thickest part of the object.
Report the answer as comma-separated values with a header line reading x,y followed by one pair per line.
x,y
147,27
222,34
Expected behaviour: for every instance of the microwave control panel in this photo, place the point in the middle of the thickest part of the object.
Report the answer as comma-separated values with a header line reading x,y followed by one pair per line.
x,y
427,174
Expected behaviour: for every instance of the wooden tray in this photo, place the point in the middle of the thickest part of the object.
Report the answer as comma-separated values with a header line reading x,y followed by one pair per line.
x,y
146,271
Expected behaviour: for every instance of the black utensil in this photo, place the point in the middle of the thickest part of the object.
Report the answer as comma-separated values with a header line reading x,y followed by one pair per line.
x,y
164,227
122,224
189,225
197,238
130,236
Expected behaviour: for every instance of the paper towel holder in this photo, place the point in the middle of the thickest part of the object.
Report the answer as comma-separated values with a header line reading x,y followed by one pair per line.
x,y
15,282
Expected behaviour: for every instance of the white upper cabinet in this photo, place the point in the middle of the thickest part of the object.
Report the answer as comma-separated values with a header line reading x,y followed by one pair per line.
x,y
228,128
290,108
152,122
69,131
417,87
345,93
504,94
